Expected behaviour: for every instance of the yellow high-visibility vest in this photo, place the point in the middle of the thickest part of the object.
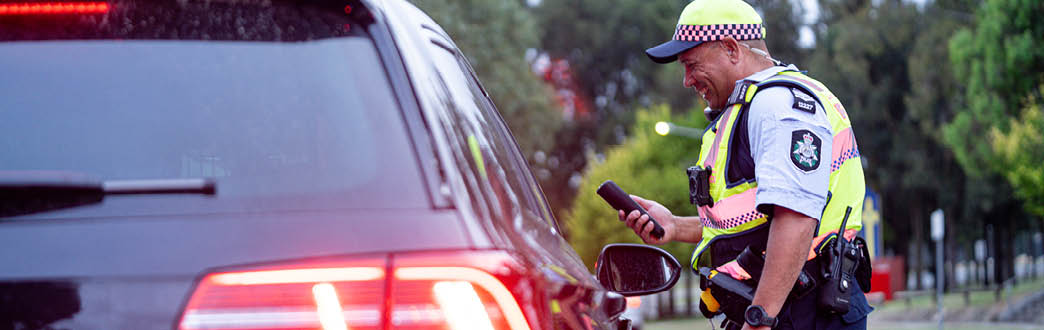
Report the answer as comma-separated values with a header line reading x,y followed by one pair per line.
x,y
733,217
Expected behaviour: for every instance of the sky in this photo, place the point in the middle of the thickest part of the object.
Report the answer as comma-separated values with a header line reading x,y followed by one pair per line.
x,y
807,38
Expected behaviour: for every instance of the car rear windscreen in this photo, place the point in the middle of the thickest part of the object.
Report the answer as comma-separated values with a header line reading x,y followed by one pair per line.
x,y
286,105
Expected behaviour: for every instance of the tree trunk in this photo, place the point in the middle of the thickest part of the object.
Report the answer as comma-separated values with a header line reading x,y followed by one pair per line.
x,y
1003,265
951,251
898,224
916,257
991,252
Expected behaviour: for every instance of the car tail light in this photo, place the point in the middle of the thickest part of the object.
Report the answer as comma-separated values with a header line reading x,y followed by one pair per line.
x,y
38,8
444,290
466,290
345,295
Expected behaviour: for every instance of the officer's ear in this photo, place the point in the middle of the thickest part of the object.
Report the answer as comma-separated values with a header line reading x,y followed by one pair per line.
x,y
732,49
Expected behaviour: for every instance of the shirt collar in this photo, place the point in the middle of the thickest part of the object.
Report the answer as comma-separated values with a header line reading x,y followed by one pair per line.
x,y
713,114
769,72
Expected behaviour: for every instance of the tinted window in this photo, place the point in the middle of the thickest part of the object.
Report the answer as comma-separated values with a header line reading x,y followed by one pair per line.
x,y
247,20
507,174
281,125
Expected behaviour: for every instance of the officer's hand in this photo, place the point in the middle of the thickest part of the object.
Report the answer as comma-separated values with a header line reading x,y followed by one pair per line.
x,y
641,225
748,327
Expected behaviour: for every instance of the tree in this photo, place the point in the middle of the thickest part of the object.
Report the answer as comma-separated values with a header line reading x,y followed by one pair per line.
x,y
647,165
604,42
862,58
1020,153
496,50
930,102
999,62
882,62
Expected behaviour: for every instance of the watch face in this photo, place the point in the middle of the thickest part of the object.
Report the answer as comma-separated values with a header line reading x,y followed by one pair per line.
x,y
754,316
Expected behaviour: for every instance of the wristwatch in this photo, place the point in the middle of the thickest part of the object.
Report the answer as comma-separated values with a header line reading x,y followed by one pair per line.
x,y
756,316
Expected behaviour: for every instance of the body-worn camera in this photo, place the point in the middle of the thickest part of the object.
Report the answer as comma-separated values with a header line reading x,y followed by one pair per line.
x,y
699,185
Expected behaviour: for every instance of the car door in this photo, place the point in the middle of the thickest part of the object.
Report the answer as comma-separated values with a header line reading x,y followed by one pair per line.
x,y
514,202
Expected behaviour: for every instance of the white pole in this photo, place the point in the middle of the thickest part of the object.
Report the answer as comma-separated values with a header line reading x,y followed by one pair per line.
x,y
938,224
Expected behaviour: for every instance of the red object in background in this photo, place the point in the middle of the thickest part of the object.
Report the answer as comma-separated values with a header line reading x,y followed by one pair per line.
x,y
880,282
37,8
567,93
888,276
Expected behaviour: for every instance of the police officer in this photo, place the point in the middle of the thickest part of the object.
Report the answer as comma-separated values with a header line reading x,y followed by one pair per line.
x,y
784,168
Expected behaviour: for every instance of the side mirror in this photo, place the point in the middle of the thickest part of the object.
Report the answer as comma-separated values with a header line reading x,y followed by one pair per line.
x,y
635,269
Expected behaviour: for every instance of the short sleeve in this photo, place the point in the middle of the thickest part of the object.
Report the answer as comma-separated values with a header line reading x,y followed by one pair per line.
x,y
791,146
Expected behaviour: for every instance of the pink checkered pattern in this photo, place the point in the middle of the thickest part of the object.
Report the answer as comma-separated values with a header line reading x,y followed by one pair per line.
x,y
846,155
732,222
717,32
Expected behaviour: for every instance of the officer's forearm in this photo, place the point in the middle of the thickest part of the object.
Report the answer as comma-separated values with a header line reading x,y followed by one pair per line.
x,y
790,237
688,229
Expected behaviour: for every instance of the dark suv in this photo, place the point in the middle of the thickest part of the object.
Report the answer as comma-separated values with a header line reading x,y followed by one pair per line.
x,y
266,164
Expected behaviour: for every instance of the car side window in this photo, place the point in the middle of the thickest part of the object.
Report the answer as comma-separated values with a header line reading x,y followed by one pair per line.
x,y
493,149
534,197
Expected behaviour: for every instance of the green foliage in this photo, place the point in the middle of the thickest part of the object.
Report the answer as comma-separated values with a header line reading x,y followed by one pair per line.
x,y
496,50
605,42
883,62
930,103
782,22
647,165
865,57
999,61
1020,153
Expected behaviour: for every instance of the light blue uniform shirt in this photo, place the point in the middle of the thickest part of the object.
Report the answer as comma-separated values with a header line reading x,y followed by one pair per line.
x,y
791,149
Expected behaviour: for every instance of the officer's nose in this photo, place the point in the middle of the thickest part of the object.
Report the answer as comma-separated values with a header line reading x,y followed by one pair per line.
x,y
689,82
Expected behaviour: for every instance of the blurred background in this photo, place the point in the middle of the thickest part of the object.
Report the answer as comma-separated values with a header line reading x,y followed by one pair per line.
x,y
945,99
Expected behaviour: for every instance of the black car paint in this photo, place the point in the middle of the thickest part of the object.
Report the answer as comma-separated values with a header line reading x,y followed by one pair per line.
x,y
536,236
135,272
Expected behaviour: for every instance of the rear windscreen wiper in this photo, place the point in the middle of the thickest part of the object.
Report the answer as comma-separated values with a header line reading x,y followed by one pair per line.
x,y
45,192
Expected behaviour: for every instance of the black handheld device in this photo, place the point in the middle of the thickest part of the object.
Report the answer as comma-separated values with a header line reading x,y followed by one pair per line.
x,y
620,200
733,296
839,266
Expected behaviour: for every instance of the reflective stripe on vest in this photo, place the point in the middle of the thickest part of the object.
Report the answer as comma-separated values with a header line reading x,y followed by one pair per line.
x,y
734,212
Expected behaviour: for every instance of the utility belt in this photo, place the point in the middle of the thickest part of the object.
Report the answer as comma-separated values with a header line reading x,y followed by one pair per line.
x,y
838,262
723,294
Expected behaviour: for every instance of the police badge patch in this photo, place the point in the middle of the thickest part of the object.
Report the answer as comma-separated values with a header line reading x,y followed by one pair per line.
x,y
803,102
804,150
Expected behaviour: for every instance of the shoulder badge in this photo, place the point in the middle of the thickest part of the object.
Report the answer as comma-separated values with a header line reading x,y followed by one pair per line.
x,y
804,150
803,101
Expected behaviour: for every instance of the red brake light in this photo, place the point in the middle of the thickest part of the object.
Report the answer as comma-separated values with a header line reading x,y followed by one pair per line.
x,y
341,296
38,8
444,290
466,290
468,299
